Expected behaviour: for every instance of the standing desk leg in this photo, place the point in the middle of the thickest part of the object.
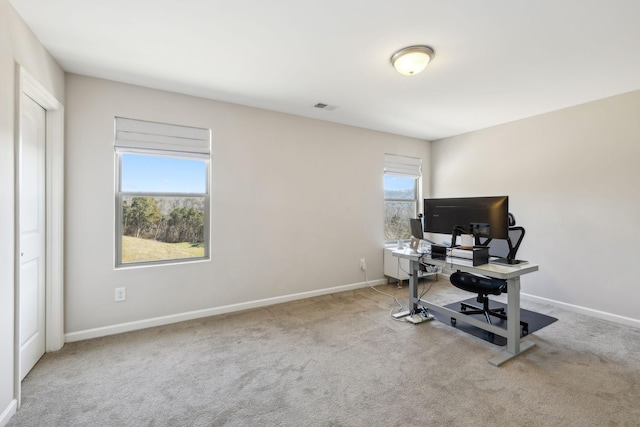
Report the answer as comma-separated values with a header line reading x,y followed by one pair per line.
x,y
514,346
414,266
513,315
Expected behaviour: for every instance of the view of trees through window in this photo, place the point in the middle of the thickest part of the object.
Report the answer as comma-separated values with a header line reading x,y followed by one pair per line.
x,y
159,228
400,204
162,210
173,220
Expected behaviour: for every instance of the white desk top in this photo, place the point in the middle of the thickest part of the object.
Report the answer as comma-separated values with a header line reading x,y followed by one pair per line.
x,y
498,271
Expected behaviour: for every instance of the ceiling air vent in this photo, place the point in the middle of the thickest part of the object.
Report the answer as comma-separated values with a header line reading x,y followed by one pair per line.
x,y
324,106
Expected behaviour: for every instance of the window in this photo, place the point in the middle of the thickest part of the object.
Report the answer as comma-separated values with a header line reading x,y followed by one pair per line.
x,y
401,193
162,193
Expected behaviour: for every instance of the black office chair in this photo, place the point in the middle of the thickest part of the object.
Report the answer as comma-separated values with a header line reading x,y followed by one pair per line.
x,y
505,250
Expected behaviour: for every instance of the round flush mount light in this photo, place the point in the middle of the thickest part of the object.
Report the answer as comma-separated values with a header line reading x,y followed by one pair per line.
x,y
411,60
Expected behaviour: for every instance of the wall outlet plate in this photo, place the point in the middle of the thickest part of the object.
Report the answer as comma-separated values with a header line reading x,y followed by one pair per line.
x,y
121,294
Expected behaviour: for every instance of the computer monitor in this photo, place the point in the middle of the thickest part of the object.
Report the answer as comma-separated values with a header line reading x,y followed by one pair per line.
x,y
416,228
481,216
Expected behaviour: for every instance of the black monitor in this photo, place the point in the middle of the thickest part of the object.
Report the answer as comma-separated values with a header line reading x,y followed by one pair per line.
x,y
481,216
416,228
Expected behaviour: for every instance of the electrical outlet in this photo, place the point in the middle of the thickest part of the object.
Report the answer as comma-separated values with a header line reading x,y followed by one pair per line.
x,y
121,294
363,264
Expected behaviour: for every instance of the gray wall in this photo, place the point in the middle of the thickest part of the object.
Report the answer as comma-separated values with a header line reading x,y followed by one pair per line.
x,y
296,203
17,45
572,177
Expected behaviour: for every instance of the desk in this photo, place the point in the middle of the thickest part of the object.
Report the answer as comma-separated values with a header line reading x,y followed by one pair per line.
x,y
510,273
398,268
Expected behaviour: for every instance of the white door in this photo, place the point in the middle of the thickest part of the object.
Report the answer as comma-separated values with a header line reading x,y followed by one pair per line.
x,y
32,233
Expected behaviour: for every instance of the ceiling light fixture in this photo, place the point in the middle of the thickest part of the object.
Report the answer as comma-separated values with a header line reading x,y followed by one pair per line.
x,y
411,60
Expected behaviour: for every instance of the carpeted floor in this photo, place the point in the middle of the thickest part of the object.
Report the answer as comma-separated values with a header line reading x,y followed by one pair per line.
x,y
339,360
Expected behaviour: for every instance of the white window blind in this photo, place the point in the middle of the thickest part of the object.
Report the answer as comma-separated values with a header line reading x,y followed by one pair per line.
x,y
402,166
136,135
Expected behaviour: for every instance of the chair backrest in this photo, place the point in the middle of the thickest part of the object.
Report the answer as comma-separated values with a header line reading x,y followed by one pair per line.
x,y
506,248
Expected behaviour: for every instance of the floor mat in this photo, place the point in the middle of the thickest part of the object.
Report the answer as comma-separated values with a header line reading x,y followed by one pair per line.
x,y
535,320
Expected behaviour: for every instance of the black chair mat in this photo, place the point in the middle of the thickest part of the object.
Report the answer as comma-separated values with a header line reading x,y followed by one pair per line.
x,y
535,320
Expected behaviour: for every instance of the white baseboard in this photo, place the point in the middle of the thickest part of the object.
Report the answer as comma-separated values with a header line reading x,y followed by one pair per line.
x,y
583,310
9,412
181,317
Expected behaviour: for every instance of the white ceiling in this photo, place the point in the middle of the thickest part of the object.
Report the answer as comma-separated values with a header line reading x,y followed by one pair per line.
x,y
496,60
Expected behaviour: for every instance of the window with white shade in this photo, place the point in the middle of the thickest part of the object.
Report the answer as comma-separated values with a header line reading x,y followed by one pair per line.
x,y
162,192
401,194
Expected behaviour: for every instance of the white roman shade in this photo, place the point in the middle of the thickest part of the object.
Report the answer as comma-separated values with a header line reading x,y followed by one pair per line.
x,y
140,135
402,166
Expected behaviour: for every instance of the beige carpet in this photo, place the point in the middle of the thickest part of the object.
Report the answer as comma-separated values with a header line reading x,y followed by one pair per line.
x,y
339,360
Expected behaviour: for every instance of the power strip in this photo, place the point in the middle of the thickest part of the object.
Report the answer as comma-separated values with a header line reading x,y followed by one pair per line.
x,y
401,314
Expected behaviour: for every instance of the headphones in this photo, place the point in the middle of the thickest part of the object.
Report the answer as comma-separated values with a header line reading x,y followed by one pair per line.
x,y
512,219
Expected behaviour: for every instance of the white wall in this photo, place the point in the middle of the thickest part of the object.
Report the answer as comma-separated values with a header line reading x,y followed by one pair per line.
x,y
295,204
17,45
572,177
